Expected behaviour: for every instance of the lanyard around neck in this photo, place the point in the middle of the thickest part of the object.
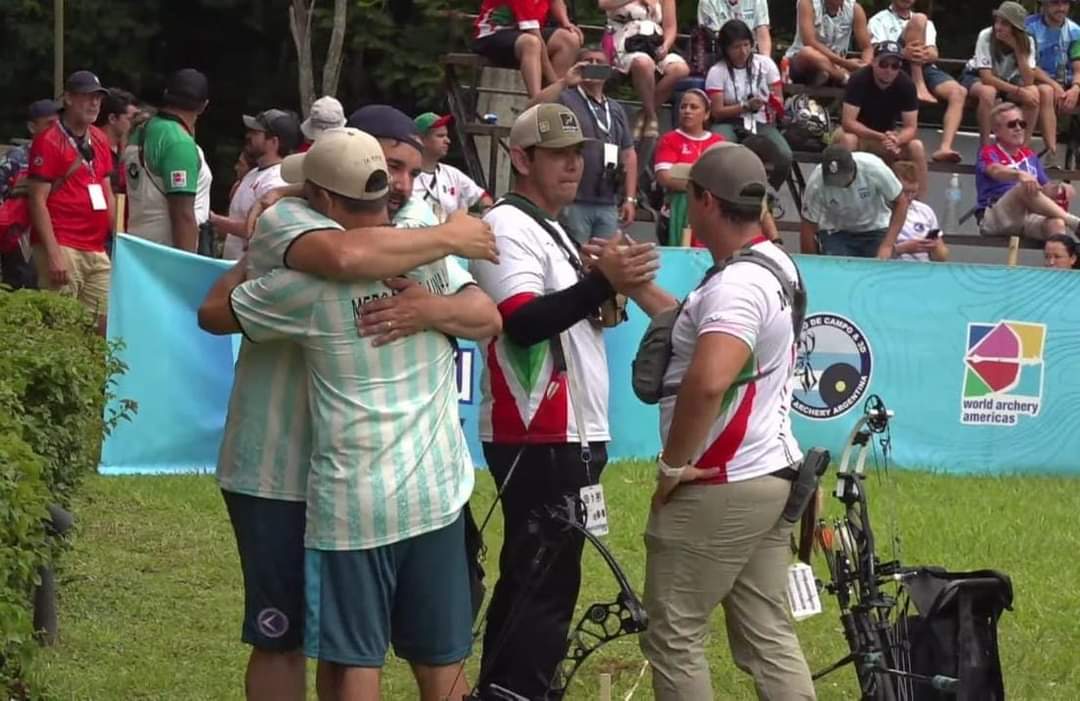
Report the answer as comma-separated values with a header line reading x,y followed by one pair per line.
x,y
604,126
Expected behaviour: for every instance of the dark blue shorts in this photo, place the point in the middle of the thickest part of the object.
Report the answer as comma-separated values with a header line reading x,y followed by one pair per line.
x,y
862,244
270,540
934,76
414,594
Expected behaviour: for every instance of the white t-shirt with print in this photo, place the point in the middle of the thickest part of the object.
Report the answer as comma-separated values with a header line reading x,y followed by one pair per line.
x,y
889,26
740,84
862,206
920,220
256,183
752,435
1003,66
446,190
523,398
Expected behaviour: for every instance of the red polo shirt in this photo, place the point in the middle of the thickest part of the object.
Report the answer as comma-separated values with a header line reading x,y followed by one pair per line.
x,y
75,222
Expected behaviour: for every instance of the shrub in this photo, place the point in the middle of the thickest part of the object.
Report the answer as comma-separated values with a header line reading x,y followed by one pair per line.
x,y
55,379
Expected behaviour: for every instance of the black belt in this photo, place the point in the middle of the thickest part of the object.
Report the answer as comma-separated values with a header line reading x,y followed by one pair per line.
x,y
786,473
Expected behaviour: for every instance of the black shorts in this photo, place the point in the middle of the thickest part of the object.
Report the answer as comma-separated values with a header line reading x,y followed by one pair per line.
x,y
498,48
270,540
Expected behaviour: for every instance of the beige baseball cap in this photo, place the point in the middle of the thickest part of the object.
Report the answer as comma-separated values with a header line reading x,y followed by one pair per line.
x,y
547,125
345,161
733,173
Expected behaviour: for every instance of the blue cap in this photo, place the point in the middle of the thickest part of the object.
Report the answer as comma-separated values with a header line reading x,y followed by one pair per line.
x,y
42,108
386,122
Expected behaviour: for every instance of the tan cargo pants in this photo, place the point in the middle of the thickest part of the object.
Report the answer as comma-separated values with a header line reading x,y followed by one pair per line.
x,y
722,545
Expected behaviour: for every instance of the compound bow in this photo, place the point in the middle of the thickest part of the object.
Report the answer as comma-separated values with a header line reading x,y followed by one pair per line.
x,y
599,625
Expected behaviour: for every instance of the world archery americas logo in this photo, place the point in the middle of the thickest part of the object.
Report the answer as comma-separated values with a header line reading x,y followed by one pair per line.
x,y
1003,372
832,371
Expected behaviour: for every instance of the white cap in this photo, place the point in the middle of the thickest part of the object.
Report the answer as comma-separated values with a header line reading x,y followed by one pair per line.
x,y
326,113
347,162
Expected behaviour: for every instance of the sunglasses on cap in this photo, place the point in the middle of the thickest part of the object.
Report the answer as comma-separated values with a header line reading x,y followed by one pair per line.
x,y
1016,124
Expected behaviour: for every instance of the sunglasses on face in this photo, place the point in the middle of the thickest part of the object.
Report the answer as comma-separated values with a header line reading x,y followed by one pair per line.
x,y
1016,124
890,65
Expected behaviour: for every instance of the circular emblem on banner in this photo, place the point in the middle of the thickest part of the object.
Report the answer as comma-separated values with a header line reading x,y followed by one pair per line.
x,y
832,371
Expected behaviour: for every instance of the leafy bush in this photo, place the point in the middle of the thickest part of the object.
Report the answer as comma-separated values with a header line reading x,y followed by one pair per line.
x,y
55,378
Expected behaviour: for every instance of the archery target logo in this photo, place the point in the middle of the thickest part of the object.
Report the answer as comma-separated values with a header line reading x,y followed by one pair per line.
x,y
833,367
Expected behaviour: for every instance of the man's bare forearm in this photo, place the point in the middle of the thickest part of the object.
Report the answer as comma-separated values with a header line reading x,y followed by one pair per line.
x,y
468,314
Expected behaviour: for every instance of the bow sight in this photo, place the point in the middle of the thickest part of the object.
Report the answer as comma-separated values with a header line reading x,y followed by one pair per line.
x,y
947,647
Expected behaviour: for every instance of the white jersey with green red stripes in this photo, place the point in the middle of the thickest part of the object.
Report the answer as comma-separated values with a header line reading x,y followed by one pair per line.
x,y
524,396
751,436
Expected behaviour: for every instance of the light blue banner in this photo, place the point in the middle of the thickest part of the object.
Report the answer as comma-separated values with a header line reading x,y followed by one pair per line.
x,y
976,361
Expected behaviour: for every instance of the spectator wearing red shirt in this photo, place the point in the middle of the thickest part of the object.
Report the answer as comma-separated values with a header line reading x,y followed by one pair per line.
x,y
514,34
682,146
70,200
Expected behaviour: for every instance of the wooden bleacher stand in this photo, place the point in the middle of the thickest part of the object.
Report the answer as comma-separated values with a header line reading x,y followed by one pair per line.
x,y
1014,251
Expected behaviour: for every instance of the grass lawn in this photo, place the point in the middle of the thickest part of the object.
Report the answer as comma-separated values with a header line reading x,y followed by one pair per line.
x,y
151,598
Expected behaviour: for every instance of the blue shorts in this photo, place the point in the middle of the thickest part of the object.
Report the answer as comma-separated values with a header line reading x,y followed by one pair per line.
x,y
414,594
270,540
934,76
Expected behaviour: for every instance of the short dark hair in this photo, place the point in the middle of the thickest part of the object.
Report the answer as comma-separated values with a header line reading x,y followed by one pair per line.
x,y
355,206
530,152
1070,244
116,102
735,213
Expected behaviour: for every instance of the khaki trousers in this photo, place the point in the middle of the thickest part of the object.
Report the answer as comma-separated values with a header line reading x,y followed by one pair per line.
x,y
722,545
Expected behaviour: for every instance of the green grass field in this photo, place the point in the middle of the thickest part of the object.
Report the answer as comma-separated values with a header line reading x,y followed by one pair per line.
x,y
151,598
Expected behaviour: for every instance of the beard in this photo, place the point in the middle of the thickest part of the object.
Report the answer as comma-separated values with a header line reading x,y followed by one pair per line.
x,y
395,201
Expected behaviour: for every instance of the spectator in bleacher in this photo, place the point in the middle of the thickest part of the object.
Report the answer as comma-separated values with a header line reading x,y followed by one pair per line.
x,y
1015,195
516,34
777,164
1059,251
168,179
1057,39
69,199
745,90
445,188
607,195
1004,66
853,205
529,422
916,33
643,34
682,145
326,113
244,165
876,98
824,31
713,14
117,110
271,135
914,241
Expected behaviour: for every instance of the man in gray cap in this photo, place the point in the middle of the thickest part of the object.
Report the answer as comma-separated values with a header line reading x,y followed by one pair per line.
x,y
733,360
543,412
852,206
271,135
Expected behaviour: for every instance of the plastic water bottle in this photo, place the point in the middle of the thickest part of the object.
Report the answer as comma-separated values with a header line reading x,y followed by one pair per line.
x,y
953,196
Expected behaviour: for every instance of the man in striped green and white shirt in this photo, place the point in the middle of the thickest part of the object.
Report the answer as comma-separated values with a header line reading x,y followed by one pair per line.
x,y
389,471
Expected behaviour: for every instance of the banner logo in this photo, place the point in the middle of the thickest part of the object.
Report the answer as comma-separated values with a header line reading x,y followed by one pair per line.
x,y
833,367
1003,372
